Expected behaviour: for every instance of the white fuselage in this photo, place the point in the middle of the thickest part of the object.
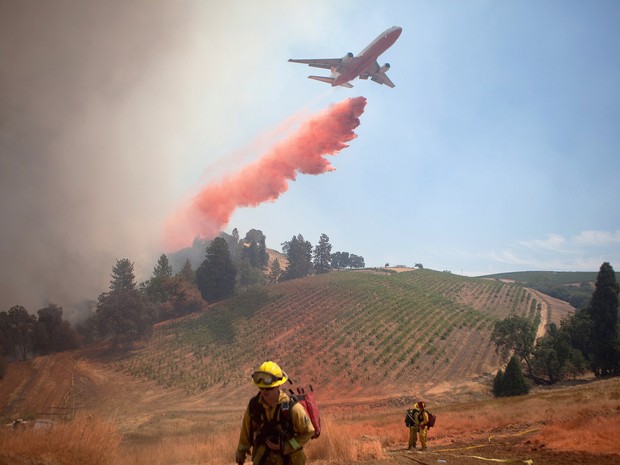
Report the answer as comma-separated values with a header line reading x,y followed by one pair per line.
x,y
358,64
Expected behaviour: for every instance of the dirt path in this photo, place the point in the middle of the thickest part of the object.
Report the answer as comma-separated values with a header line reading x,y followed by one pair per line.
x,y
552,310
544,314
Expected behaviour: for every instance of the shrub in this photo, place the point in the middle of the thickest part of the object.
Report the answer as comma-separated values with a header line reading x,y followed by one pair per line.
x,y
512,382
497,383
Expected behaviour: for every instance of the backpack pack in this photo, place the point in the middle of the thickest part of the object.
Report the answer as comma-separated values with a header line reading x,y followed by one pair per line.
x,y
410,418
431,419
281,421
308,400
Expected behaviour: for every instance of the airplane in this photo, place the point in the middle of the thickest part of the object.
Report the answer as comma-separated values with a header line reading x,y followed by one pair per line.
x,y
364,65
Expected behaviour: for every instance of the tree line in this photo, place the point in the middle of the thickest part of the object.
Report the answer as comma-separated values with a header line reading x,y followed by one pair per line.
x,y
22,333
127,311
587,340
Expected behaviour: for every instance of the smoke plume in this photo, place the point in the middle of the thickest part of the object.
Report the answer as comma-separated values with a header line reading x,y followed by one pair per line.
x,y
210,210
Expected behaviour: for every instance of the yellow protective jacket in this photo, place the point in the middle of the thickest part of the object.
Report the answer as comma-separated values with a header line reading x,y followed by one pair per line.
x,y
421,419
302,431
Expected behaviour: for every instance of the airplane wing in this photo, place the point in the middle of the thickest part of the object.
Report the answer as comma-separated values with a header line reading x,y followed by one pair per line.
x,y
324,63
377,74
382,78
329,80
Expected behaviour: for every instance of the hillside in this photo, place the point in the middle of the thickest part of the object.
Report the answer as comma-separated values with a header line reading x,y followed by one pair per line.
x,y
363,333
353,335
369,342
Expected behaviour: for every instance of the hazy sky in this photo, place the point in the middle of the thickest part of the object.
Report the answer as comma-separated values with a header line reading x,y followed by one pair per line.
x,y
497,150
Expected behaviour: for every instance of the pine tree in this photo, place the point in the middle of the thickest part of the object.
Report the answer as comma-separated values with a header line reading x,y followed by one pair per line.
x,y
234,245
497,383
216,275
322,255
158,288
299,254
163,268
123,313
513,382
123,278
603,312
187,272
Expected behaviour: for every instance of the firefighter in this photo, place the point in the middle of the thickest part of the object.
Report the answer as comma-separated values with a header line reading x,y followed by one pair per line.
x,y
410,423
422,423
273,427
419,427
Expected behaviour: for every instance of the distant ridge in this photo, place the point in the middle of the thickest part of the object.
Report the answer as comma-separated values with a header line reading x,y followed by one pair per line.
x,y
550,277
349,331
574,287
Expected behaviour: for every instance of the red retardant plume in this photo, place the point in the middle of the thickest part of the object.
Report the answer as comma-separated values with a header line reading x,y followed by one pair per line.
x,y
210,210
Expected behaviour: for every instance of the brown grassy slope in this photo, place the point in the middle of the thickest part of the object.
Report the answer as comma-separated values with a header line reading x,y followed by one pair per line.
x,y
37,386
571,423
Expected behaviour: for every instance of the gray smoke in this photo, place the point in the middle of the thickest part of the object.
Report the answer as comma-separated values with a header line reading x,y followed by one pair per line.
x,y
75,144
108,111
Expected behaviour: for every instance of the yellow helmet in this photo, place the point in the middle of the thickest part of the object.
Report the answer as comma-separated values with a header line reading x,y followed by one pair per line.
x,y
269,375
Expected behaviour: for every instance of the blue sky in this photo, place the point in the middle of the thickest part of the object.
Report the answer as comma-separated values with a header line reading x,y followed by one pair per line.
x,y
496,151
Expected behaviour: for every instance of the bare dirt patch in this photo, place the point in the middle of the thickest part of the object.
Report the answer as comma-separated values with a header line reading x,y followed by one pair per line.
x,y
38,386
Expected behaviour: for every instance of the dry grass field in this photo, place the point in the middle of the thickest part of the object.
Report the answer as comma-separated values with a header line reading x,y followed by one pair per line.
x,y
121,420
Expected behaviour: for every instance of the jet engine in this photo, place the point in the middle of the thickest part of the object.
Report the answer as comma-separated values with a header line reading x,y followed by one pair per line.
x,y
342,67
384,68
